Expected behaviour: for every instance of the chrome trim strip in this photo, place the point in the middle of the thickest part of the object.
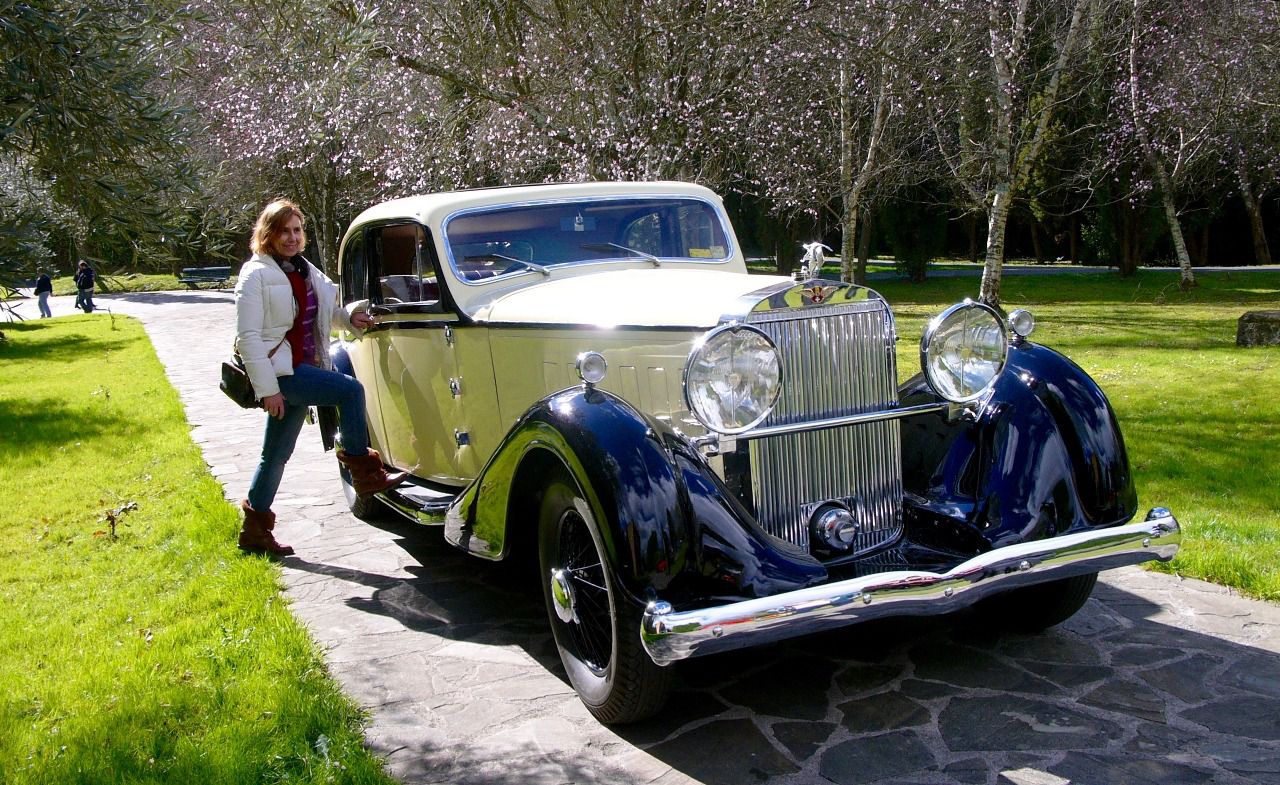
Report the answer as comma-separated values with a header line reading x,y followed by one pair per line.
x,y
669,635
848,419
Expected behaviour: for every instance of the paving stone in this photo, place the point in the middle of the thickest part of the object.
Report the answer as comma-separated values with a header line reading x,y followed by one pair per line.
x,y
795,688
926,690
1256,675
1185,680
1016,723
875,758
1144,655
741,754
1067,675
802,739
1052,646
1083,767
886,711
1251,717
862,678
1126,697
684,707
970,771
965,667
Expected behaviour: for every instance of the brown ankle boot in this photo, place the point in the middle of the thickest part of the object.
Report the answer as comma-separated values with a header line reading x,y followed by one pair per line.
x,y
368,475
256,535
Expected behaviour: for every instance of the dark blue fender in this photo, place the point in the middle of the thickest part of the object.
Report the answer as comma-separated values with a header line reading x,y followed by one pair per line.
x,y
668,523
1044,456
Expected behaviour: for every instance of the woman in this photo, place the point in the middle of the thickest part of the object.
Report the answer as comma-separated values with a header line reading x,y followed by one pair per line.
x,y
284,307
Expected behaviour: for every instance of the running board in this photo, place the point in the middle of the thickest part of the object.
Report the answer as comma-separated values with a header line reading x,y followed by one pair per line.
x,y
421,502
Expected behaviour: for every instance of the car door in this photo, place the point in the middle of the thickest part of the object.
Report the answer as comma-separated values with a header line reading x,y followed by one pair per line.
x,y
418,384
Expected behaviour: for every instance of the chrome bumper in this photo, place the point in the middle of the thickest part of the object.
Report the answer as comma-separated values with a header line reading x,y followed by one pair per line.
x,y
669,635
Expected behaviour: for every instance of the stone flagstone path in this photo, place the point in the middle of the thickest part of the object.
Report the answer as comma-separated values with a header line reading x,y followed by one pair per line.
x,y
1157,680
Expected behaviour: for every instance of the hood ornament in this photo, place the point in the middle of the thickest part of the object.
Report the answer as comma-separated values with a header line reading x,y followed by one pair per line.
x,y
812,261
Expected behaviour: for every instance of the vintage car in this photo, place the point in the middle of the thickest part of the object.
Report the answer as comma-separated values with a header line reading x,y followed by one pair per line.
x,y
700,459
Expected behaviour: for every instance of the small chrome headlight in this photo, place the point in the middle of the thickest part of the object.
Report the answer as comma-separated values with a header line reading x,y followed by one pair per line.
x,y
591,367
1022,323
732,378
963,351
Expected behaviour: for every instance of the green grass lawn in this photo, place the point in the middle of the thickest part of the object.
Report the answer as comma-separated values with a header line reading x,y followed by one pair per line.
x,y
159,654
1201,417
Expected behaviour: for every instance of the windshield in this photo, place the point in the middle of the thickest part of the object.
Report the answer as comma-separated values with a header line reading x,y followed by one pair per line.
x,y
518,238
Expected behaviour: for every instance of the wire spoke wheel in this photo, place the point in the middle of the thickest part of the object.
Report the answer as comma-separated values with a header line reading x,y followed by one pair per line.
x,y
596,628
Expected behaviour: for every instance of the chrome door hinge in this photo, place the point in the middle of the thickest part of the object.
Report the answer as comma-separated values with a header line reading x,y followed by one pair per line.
x,y
461,437
455,387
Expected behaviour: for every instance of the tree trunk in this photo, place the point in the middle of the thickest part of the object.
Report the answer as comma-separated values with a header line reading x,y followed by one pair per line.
x,y
1036,245
971,225
849,205
1188,279
1073,239
997,220
1261,252
864,240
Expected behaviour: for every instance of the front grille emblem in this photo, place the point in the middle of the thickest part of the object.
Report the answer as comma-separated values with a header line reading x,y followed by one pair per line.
x,y
816,294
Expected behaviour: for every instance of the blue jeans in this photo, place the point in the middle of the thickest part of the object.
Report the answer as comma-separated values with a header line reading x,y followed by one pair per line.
x,y
308,386
44,306
85,300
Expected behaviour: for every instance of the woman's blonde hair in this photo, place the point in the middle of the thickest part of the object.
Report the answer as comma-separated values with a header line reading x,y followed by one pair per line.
x,y
273,217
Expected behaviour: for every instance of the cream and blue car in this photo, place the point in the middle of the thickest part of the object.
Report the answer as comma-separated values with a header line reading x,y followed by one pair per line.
x,y
701,459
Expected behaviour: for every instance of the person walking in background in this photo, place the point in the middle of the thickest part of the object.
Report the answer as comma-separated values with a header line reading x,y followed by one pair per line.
x,y
44,288
84,279
284,309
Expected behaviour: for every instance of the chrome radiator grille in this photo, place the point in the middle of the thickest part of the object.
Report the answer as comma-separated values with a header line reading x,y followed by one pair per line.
x,y
836,360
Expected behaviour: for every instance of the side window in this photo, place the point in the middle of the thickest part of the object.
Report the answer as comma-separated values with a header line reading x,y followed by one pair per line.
x,y
645,234
403,271
355,269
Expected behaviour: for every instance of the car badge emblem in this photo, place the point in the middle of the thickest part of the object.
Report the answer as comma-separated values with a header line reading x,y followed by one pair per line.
x,y
816,294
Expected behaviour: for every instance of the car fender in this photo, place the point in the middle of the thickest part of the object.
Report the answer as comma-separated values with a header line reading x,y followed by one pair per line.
x,y
1043,456
668,523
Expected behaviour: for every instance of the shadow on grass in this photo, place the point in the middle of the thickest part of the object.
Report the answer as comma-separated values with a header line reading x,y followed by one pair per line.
x,y
51,423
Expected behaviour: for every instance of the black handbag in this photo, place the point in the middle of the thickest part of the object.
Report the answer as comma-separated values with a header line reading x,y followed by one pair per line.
x,y
235,380
235,383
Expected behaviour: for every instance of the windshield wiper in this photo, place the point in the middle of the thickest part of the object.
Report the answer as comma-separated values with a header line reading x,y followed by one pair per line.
x,y
531,265
606,246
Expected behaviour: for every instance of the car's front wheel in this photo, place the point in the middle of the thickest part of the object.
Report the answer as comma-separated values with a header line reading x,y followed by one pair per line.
x,y
1039,607
597,631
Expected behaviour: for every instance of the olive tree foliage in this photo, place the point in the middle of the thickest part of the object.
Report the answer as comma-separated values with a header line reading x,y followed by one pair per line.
x,y
291,105
90,151
1004,72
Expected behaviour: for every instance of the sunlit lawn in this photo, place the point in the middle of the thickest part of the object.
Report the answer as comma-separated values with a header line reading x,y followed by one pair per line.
x,y
159,654
1201,417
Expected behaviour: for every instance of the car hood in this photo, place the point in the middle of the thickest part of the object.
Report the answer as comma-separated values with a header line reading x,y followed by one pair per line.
x,y
648,297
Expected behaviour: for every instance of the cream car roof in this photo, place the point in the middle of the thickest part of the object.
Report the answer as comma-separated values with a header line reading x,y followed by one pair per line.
x,y
475,300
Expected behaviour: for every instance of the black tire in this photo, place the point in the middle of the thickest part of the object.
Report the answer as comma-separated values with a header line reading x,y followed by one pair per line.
x,y
1036,608
600,645
366,508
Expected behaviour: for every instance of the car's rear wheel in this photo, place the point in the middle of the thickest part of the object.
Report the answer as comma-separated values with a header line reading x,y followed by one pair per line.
x,y
1038,607
597,631
366,508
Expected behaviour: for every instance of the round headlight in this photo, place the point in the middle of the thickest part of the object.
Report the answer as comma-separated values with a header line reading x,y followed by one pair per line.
x,y
963,351
591,367
732,379
1022,323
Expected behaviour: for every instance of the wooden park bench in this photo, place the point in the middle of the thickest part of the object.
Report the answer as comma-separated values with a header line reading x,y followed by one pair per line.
x,y
194,276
